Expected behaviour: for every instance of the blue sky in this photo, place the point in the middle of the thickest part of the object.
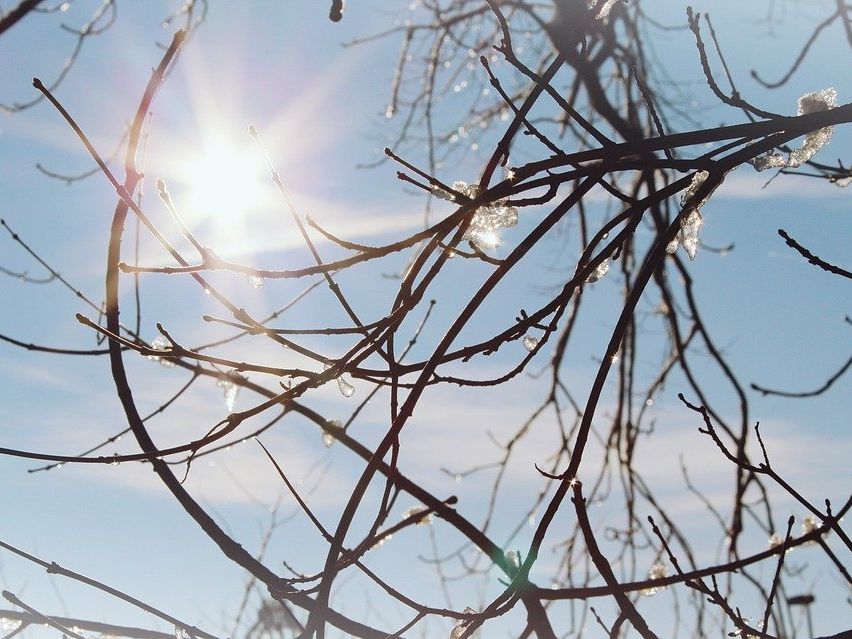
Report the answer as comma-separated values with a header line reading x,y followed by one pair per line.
x,y
320,108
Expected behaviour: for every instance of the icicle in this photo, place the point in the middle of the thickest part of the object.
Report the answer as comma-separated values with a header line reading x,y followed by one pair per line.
x,y
689,233
230,391
690,221
530,342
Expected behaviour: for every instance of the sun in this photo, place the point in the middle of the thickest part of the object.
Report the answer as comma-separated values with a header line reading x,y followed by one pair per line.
x,y
223,183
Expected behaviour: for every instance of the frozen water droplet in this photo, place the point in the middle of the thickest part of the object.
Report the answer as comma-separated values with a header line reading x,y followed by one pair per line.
x,y
389,112
458,478
255,281
530,342
346,389
180,633
513,559
328,440
115,461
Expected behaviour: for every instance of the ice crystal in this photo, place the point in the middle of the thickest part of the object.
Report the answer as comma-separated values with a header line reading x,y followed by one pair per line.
x,y
229,390
487,220
461,626
600,271
255,281
424,520
160,343
530,343
813,142
689,233
657,571
809,525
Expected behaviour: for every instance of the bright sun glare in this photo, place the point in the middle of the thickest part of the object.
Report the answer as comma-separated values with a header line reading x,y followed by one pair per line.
x,y
224,183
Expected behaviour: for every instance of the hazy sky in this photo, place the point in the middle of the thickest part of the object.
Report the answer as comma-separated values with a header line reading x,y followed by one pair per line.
x,y
320,107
